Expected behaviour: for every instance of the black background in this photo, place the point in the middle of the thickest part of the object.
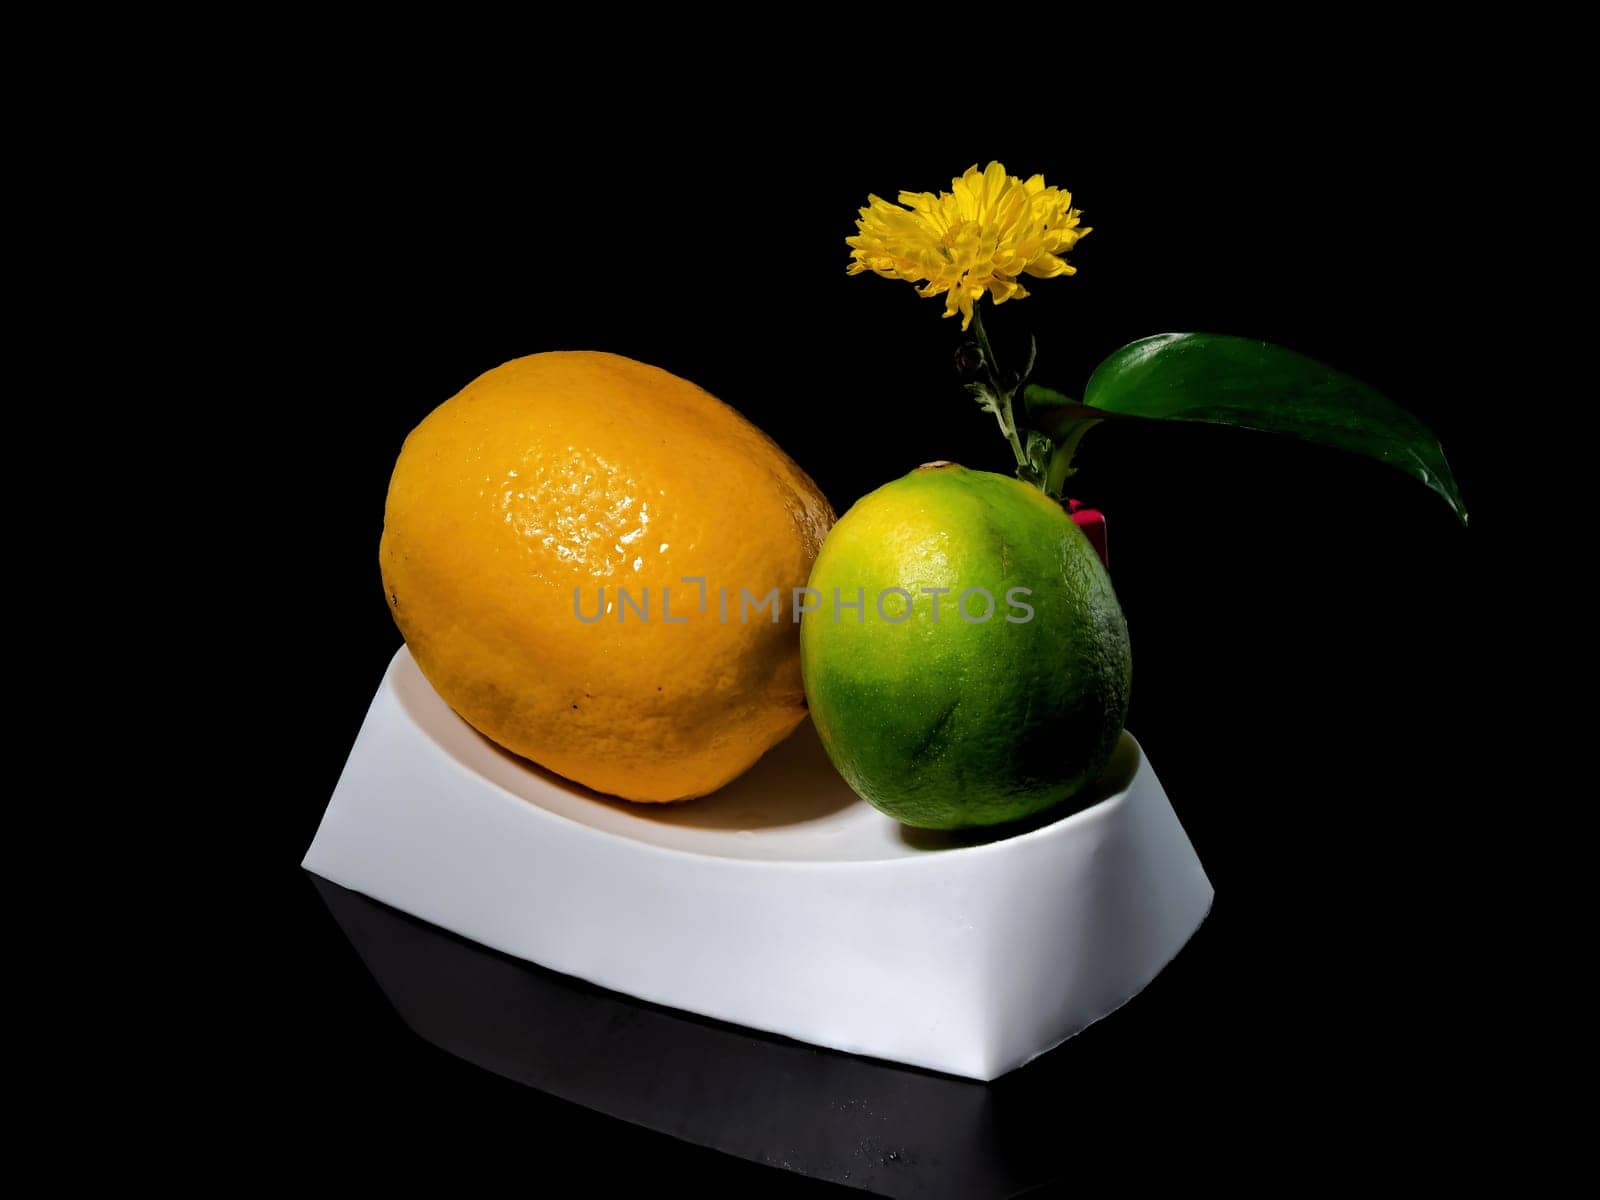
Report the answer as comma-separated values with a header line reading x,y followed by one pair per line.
x,y
1304,623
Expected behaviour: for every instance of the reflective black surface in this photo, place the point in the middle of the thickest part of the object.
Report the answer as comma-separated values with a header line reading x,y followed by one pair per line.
x,y
859,1122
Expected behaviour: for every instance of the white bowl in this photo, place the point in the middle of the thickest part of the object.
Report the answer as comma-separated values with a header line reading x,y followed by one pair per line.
x,y
782,902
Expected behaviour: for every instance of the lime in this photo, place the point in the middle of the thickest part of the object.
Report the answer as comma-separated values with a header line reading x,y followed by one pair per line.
x,y
966,661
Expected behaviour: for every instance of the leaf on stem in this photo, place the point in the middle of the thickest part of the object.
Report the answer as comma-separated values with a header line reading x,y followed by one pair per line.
x,y
1221,380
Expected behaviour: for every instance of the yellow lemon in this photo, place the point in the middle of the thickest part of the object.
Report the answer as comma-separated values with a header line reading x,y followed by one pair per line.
x,y
594,562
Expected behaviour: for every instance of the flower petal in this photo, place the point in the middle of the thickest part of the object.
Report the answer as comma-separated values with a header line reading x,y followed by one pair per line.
x,y
973,240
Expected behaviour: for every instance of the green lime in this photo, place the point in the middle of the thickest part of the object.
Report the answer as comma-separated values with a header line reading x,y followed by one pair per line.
x,y
967,662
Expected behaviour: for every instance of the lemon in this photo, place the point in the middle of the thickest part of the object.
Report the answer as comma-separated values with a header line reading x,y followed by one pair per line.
x,y
566,546
994,682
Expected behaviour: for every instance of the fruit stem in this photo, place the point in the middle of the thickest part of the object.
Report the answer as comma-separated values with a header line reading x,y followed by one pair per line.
x,y
999,395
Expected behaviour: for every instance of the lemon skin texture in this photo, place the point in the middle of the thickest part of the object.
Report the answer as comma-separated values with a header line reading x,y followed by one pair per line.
x,y
590,471
945,724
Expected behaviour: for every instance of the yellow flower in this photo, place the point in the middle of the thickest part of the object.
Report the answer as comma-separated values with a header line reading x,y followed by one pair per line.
x,y
976,238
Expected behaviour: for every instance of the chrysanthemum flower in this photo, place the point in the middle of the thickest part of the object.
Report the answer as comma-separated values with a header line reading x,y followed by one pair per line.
x,y
978,237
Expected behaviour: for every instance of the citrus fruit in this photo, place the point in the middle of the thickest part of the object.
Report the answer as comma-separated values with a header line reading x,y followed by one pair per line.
x,y
985,702
555,544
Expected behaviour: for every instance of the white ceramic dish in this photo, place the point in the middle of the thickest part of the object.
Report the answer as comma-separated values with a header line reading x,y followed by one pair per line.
x,y
782,902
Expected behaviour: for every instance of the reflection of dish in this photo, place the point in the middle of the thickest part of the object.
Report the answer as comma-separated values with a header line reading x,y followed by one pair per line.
x,y
891,1130
781,903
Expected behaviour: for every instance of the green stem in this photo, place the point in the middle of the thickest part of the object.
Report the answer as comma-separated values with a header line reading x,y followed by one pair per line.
x,y
1002,396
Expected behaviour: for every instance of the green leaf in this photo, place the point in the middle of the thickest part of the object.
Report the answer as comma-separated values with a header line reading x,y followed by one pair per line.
x,y
1037,446
1059,421
1223,380
985,398
1040,402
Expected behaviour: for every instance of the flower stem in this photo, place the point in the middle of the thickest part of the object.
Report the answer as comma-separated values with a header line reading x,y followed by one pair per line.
x,y
1002,395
